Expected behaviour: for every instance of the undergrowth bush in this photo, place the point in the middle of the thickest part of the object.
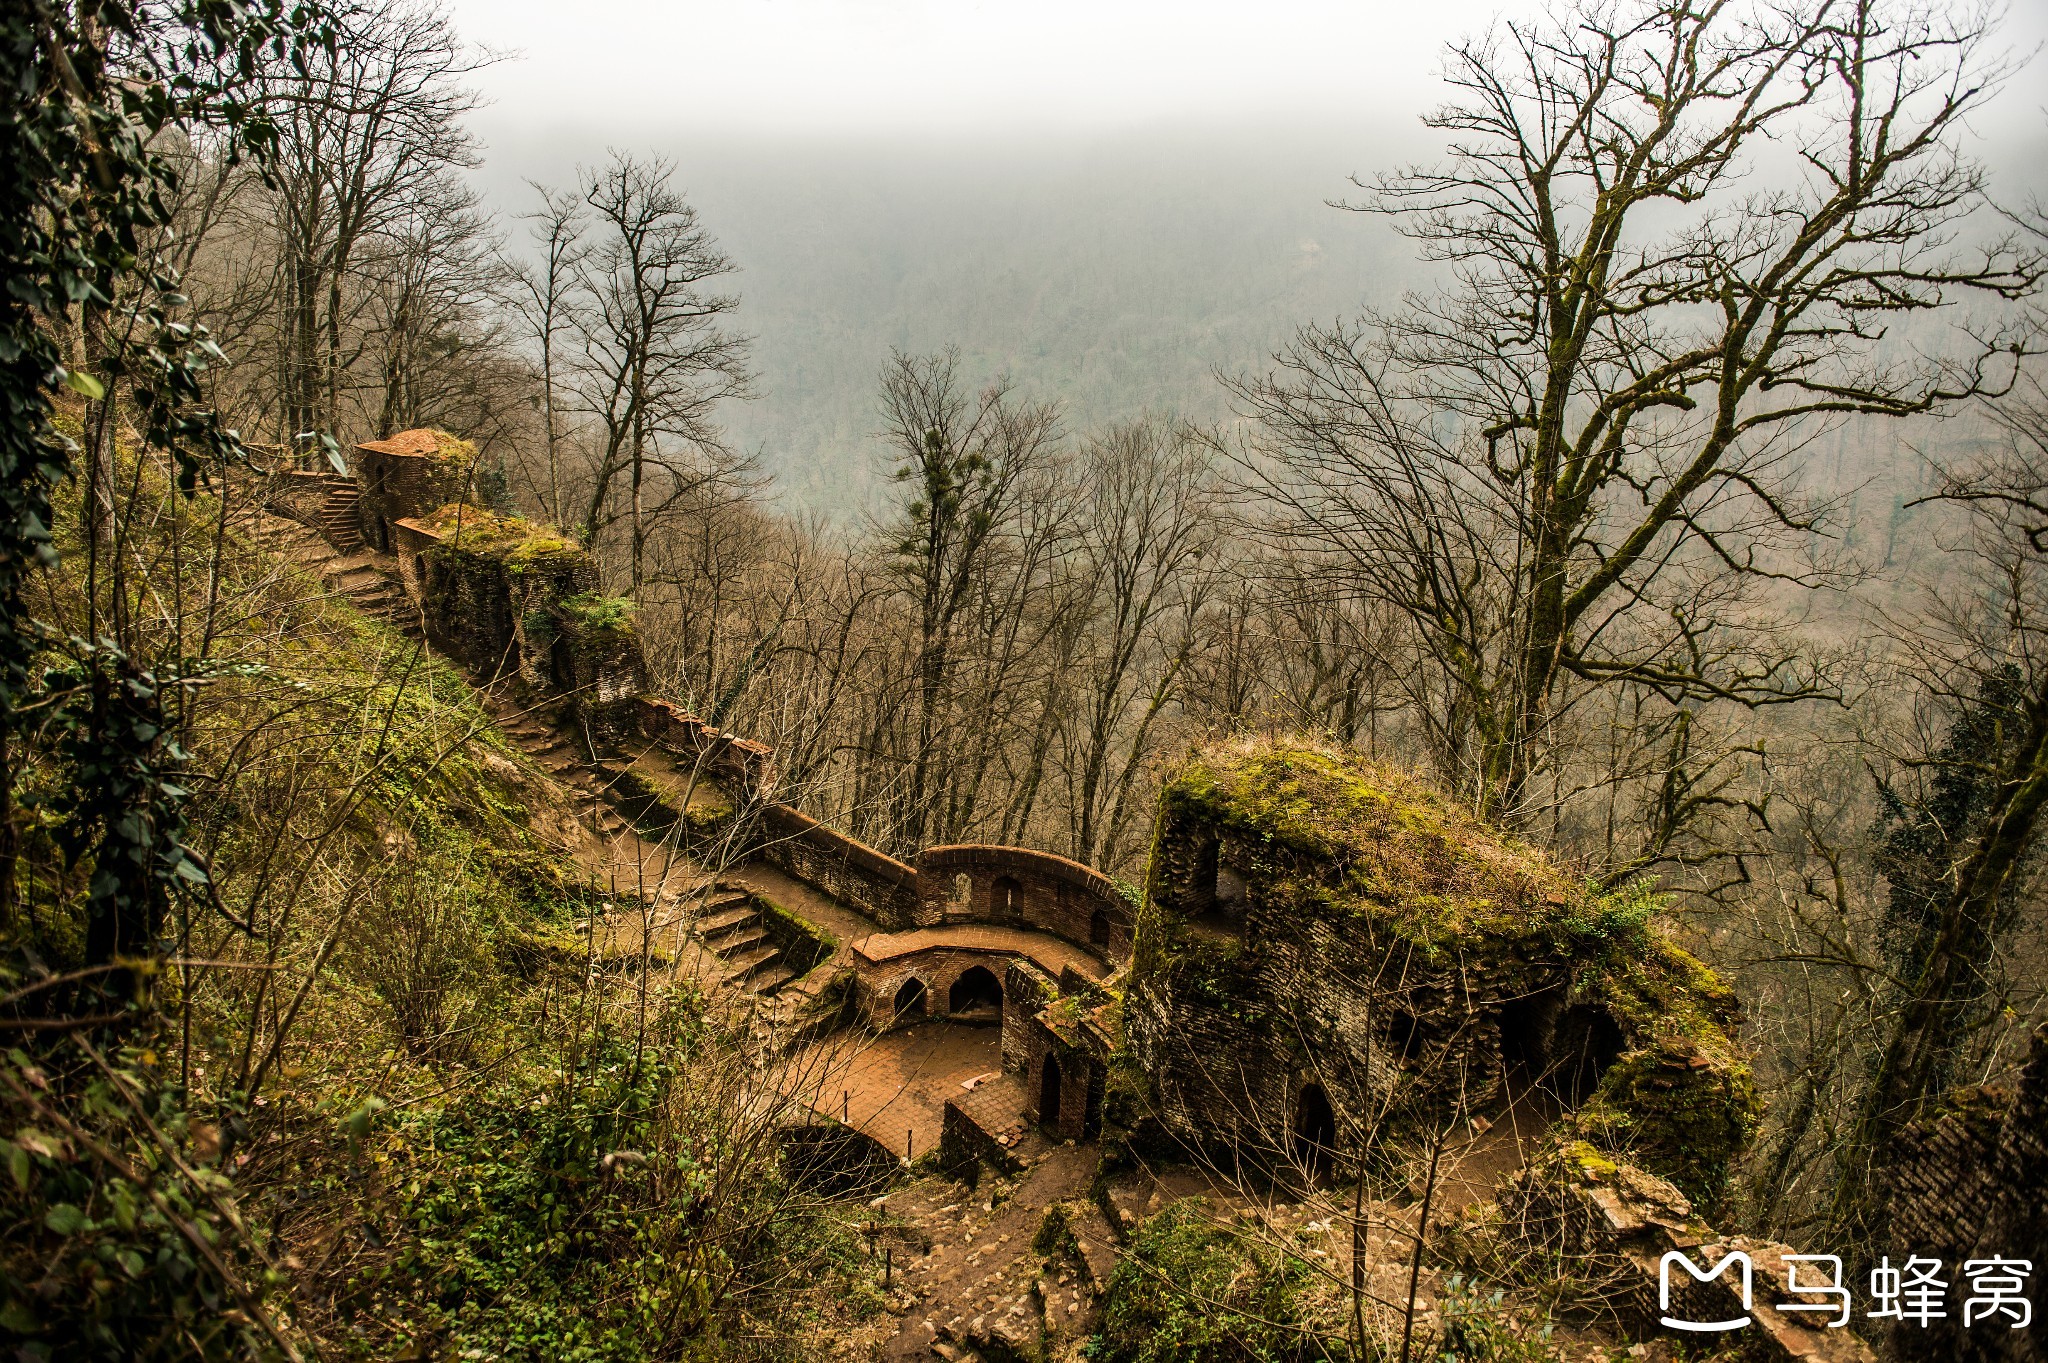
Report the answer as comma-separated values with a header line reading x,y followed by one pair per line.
x,y
1192,1291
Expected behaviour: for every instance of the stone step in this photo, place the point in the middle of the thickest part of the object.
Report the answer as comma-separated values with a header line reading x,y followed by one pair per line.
x,y
733,899
711,924
768,981
1098,1245
747,962
736,942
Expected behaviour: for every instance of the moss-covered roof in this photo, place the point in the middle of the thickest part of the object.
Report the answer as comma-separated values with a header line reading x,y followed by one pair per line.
x,y
425,442
510,539
1377,840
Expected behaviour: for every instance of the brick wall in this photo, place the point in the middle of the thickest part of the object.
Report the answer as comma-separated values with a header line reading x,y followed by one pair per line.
x,y
1019,887
744,767
1028,989
399,486
851,872
1234,1003
1973,1184
938,969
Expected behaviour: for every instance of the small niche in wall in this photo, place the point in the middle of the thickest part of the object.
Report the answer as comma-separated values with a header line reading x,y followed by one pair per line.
x,y
1219,895
1315,1130
1009,899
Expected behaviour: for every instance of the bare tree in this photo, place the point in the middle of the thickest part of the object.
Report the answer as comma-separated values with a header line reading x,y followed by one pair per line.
x,y
369,131
543,291
1148,524
1573,468
654,360
962,461
1962,818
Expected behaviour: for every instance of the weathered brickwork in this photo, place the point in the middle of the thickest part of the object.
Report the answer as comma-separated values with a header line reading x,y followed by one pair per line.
x,y
740,764
933,977
1014,885
503,596
1574,1210
1311,921
406,476
1973,1184
850,871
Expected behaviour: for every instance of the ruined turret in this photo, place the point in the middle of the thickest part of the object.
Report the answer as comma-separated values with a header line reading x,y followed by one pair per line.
x,y
1330,953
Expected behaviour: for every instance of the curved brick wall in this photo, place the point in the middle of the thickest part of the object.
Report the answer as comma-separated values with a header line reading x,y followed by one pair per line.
x,y
1015,886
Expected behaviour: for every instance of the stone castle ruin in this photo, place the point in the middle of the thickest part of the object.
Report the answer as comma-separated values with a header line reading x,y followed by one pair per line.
x,y
1327,957
1329,951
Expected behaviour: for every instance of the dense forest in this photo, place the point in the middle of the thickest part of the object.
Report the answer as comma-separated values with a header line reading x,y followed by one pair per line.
x,y
1683,514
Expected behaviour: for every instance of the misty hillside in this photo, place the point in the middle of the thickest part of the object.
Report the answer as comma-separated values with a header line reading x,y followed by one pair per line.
x,y
1112,275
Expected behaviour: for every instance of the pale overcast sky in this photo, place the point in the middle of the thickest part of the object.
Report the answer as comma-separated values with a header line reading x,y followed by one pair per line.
x,y
895,66
859,67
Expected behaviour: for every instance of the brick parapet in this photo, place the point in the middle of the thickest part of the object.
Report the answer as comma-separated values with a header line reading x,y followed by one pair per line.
x,y
1019,885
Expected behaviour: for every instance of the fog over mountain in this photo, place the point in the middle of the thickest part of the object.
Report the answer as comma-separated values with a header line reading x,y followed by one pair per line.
x,y
1111,273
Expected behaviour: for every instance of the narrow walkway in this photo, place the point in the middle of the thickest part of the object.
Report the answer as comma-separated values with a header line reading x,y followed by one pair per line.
x,y
654,891
1051,954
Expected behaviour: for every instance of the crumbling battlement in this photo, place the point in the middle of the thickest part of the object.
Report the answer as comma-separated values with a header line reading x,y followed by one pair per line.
x,y
503,595
1329,943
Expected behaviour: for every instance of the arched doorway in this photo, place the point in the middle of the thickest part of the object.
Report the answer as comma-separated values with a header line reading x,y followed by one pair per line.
x,y
1315,1129
976,996
1049,1092
910,999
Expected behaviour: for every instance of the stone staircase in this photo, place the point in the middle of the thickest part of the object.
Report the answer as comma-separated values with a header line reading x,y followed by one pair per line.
x,y
368,581
731,924
1023,1304
340,520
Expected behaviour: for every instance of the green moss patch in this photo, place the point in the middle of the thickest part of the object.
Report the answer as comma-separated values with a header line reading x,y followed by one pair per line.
x,y
514,541
803,943
1189,1290
597,618
1358,838
452,449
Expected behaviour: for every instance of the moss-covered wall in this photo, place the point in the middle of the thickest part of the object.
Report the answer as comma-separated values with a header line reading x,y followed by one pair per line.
x,y
502,594
1311,919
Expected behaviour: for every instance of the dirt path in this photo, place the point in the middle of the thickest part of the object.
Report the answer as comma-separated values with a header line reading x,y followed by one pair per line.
x,y
980,1276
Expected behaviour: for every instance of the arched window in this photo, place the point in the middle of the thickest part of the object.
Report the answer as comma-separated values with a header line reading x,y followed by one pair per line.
x,y
1049,1092
910,998
1098,929
1009,899
976,995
